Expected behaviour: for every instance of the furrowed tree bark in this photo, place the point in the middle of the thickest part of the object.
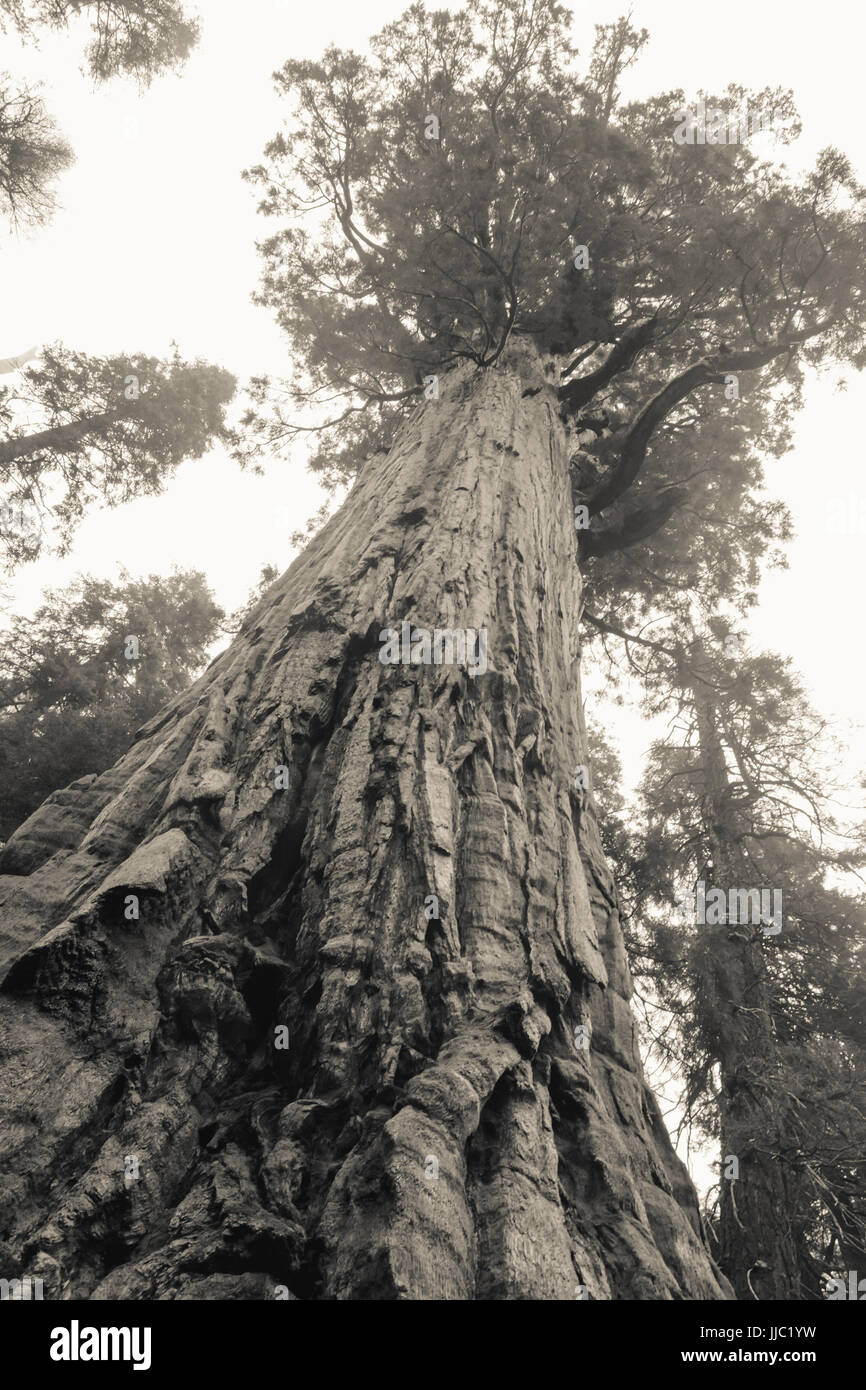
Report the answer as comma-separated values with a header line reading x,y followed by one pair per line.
x,y
432,1130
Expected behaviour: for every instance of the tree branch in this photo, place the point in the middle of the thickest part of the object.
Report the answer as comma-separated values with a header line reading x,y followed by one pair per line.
x,y
701,373
636,527
577,393
614,629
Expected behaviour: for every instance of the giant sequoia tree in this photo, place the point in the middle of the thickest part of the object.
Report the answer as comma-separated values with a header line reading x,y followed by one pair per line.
x,y
322,987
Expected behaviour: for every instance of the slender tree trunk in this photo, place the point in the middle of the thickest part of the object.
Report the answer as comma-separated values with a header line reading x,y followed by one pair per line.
x,y
61,437
757,1249
289,828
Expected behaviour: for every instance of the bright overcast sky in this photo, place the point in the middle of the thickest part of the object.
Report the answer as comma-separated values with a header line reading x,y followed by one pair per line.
x,y
154,241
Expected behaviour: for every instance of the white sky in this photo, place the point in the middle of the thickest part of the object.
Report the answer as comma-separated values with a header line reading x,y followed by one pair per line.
x,y
154,242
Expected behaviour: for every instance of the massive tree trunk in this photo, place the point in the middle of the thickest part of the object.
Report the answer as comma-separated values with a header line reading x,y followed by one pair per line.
x,y
435,1127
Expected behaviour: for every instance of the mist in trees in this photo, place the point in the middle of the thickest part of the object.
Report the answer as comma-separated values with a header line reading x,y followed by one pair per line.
x,y
32,156
136,37
80,675
457,169
139,38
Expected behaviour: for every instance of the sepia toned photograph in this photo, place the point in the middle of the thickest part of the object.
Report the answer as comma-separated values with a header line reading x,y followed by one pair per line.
x,y
432,757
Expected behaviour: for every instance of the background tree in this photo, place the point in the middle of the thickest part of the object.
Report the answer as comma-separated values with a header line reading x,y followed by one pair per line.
x,y
139,37
72,694
766,1031
32,155
79,429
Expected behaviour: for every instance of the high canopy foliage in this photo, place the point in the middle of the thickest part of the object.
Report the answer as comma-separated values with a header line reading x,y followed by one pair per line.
x,y
71,698
395,255
76,429
137,37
